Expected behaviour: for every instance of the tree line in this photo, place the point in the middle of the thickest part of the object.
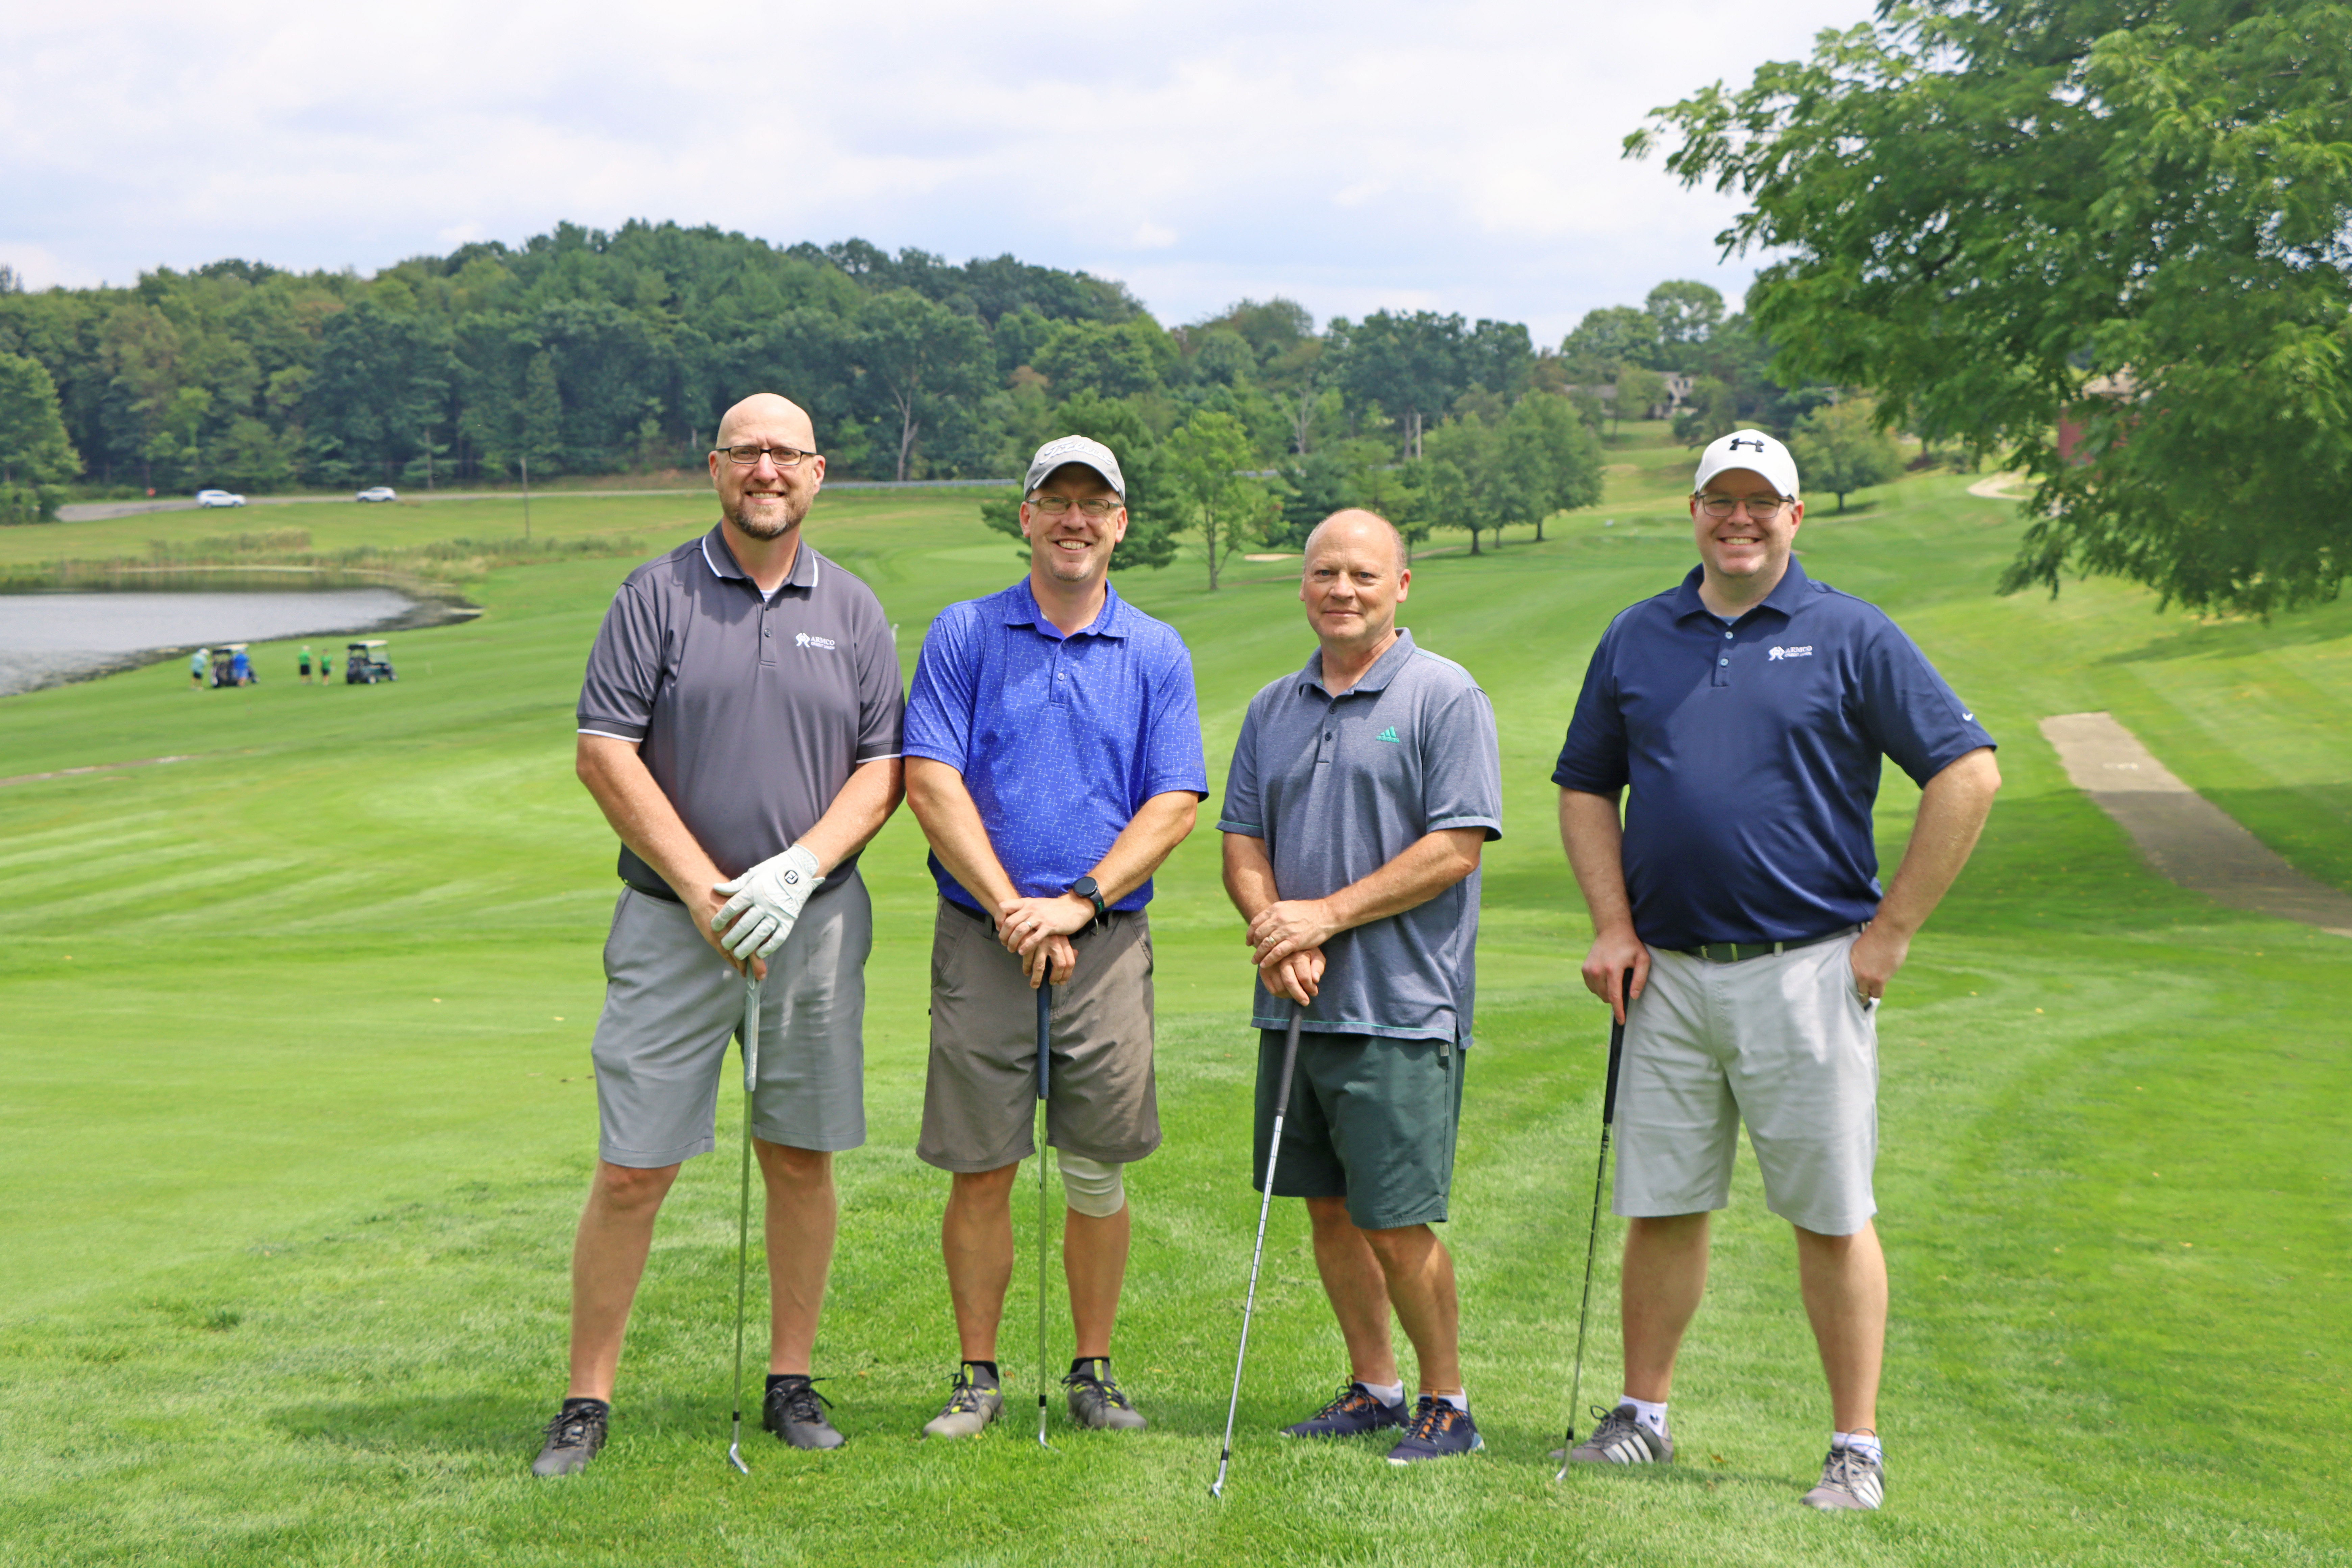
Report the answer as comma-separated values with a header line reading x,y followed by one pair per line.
x,y
585,352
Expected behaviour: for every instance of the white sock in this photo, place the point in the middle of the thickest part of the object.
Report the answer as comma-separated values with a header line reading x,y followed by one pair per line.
x,y
1386,1393
1862,1443
1652,1415
1459,1401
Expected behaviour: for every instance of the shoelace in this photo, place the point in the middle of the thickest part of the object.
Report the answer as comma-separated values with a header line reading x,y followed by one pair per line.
x,y
1350,1399
803,1402
1434,1417
1110,1388
570,1428
963,1395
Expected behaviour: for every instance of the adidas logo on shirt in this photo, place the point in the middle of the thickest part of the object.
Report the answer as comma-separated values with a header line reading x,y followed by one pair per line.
x,y
1390,735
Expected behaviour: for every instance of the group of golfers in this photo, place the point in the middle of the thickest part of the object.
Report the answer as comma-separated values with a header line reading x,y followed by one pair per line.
x,y
742,728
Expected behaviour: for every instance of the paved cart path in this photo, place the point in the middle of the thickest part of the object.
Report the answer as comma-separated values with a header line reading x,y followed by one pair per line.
x,y
2185,837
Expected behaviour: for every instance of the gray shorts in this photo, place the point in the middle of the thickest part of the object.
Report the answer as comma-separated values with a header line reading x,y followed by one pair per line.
x,y
980,1098
1783,1041
672,1003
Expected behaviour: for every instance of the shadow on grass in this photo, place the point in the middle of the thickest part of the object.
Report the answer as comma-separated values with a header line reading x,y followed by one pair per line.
x,y
473,1423
2185,639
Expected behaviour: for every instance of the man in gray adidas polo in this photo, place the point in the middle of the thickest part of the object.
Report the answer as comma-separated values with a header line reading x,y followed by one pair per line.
x,y
1363,790
740,727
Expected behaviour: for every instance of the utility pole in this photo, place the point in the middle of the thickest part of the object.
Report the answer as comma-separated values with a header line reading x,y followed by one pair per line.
x,y
526,498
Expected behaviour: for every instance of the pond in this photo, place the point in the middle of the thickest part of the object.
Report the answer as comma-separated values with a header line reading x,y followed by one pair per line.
x,y
48,638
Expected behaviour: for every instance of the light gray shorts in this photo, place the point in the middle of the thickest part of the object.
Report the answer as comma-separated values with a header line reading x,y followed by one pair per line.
x,y
1783,1041
671,1004
980,1098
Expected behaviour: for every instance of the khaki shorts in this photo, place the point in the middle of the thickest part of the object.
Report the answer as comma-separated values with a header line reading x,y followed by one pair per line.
x,y
672,1004
980,1098
1783,1043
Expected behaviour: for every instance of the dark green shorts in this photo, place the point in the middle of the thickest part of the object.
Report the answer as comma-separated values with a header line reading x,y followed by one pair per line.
x,y
1371,1120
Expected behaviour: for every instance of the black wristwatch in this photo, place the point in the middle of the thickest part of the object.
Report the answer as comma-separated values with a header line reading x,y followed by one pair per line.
x,y
1088,890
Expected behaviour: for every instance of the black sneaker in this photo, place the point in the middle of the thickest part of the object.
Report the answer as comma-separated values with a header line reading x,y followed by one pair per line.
x,y
1098,1401
1356,1411
795,1413
573,1437
1436,1431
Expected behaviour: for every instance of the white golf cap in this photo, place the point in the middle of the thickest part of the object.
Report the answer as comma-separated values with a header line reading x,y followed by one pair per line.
x,y
1752,450
1079,449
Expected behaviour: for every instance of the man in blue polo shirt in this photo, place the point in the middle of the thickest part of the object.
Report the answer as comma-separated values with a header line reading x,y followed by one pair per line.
x,y
1748,710
1054,759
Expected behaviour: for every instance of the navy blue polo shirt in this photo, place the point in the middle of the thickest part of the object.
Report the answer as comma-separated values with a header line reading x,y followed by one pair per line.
x,y
1752,752
1060,740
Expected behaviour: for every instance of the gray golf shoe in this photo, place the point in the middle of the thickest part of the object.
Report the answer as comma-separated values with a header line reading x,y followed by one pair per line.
x,y
573,1437
1097,1401
795,1413
1621,1438
1850,1480
971,1407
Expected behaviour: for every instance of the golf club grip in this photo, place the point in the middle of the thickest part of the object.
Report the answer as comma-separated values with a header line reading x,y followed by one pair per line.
x,y
1045,1036
1616,1055
1289,1061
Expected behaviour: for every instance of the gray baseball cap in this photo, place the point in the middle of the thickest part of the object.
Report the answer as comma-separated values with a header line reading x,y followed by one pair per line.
x,y
1073,450
1752,450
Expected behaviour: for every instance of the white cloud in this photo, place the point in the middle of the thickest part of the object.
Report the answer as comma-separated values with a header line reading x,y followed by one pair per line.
x,y
1349,156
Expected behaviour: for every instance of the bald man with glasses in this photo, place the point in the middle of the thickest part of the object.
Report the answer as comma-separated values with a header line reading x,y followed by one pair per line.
x,y
1739,929
739,726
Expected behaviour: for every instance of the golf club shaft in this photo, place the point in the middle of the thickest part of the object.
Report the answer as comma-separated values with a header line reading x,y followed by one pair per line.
x,y
1258,1253
743,1210
1045,1084
1593,1234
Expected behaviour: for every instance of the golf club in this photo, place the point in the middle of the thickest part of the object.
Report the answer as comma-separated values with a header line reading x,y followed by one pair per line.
x,y
1272,1152
1584,1310
1045,1071
743,1213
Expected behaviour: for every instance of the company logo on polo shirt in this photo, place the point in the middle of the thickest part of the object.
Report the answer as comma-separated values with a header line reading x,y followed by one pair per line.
x,y
1781,653
1390,735
802,639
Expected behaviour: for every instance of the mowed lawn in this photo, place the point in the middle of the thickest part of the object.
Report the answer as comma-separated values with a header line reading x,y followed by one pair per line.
x,y
293,1066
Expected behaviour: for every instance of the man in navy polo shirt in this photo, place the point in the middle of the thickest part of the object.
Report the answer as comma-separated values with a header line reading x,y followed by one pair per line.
x,y
1748,710
1053,759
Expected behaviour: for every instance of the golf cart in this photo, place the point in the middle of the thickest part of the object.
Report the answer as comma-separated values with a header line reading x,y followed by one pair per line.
x,y
364,664
232,665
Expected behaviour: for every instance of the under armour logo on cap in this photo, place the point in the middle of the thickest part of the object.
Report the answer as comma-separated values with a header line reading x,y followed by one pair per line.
x,y
1770,459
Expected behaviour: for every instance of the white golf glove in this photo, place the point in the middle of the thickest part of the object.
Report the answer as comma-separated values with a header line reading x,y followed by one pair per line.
x,y
765,902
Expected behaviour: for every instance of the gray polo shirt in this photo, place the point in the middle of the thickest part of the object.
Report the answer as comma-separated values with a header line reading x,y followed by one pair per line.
x,y
1337,787
749,712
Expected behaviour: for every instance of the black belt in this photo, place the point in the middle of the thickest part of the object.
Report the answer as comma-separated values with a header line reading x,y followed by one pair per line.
x,y
1741,952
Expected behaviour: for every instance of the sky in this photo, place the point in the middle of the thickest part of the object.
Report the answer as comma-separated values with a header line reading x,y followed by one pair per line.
x,y
1348,156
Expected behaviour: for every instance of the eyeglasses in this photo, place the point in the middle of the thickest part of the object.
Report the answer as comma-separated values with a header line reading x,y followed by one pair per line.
x,y
783,456
1059,506
1763,508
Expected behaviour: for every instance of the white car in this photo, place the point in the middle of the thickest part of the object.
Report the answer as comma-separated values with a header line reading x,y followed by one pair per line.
x,y
377,492
218,498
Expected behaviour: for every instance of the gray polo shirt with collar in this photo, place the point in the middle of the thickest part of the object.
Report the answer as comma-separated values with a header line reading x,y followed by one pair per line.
x,y
750,711
1337,787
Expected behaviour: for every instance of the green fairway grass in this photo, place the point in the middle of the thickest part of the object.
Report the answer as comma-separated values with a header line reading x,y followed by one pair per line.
x,y
294,1042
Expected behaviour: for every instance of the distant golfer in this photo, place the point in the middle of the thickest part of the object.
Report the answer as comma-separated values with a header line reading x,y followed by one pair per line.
x,y
304,663
1054,759
1747,710
199,665
1363,790
738,725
